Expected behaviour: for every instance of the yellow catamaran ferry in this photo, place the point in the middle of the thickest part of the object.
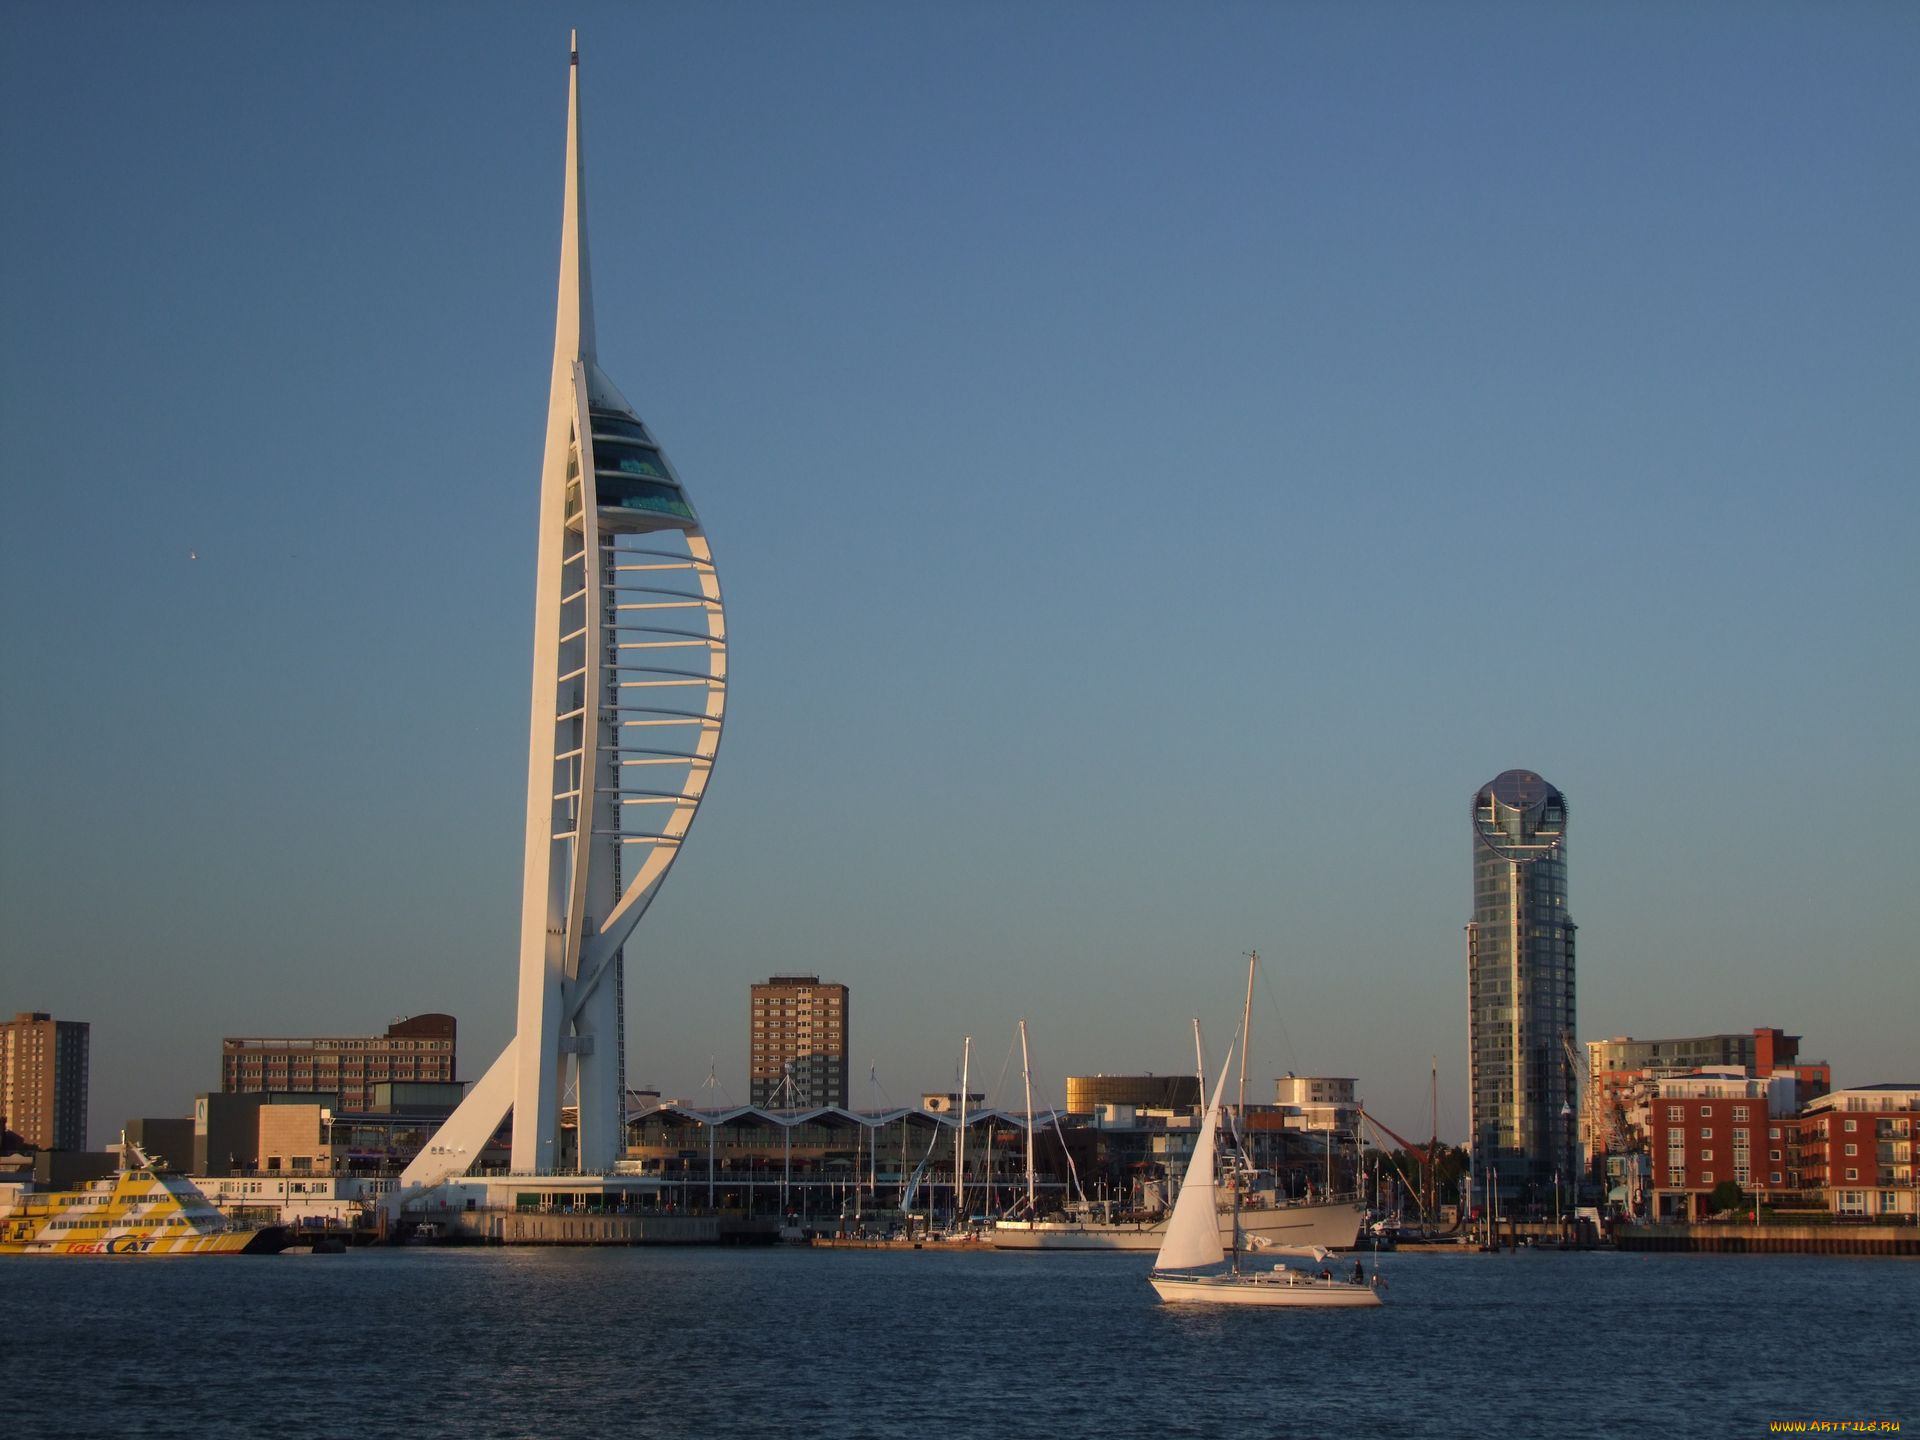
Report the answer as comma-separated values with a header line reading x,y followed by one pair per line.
x,y
140,1211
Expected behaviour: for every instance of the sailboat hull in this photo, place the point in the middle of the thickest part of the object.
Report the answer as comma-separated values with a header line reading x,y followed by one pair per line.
x,y
1287,1289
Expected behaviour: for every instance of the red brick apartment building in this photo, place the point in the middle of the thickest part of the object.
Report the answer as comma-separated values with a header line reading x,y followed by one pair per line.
x,y
419,1048
1713,1127
1621,1072
1857,1148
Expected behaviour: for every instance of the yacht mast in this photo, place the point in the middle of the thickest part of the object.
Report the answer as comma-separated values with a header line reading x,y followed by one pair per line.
x,y
1200,1069
960,1136
1199,1060
1026,1078
1246,1044
1236,1211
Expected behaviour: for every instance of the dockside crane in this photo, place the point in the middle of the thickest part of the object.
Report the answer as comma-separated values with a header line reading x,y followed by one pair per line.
x,y
1426,1197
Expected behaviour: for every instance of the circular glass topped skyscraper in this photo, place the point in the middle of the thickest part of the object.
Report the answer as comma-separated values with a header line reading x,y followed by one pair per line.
x,y
1520,991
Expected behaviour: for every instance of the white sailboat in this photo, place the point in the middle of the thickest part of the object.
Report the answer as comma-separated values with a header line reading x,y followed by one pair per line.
x,y
1182,1272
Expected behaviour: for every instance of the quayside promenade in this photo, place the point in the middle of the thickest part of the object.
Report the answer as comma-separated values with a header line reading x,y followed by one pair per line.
x,y
556,1227
1772,1239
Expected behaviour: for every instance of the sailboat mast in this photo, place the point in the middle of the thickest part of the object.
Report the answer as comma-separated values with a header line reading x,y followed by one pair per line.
x,y
1026,1080
960,1136
1236,1213
1240,1107
1199,1059
1246,1044
1433,1137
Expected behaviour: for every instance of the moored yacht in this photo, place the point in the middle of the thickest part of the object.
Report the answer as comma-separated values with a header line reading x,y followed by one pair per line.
x,y
1267,1222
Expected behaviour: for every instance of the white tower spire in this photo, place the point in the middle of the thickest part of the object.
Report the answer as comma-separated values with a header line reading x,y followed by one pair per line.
x,y
629,689
573,316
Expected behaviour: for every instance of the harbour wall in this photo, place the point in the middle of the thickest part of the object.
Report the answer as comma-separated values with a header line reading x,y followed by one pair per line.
x,y
1771,1239
539,1227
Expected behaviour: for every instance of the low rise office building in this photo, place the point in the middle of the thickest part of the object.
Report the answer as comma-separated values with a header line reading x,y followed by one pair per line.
x,y
1086,1094
418,1049
1319,1102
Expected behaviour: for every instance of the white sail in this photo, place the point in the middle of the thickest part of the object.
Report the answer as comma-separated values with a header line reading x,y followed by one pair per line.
x,y
1193,1231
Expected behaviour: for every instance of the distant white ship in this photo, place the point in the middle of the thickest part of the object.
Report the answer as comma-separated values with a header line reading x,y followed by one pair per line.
x,y
1266,1222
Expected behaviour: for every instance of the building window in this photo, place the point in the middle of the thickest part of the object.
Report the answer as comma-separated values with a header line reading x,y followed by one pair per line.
x,y
1852,1125
1773,1154
1673,1115
1706,1112
1739,1112
1776,1178
1853,1174
1706,1132
1706,1177
1853,1150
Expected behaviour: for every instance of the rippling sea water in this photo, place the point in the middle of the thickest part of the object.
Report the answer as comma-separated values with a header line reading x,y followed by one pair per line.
x,y
848,1344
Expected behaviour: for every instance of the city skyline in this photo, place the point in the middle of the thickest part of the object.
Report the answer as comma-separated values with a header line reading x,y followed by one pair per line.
x,y
1319,374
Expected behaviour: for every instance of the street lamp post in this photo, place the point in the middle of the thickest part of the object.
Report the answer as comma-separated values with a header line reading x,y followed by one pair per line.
x,y
711,1085
786,1130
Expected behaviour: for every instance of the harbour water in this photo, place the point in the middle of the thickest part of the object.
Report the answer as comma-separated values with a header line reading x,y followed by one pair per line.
x,y
851,1344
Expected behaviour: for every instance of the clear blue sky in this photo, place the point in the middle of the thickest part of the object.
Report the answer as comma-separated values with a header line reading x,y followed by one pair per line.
x,y
1161,460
